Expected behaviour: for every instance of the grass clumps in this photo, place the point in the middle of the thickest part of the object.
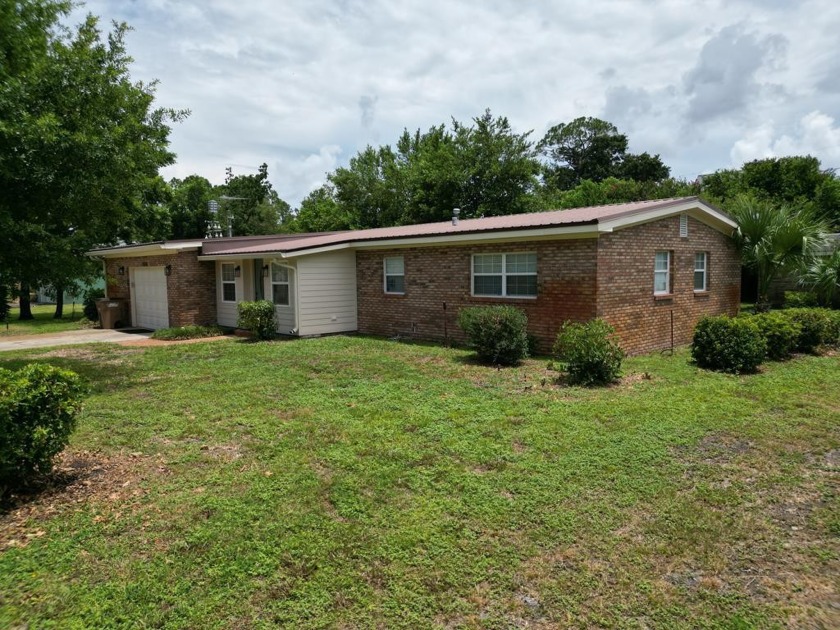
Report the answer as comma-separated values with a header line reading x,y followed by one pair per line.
x,y
589,352
38,407
727,344
498,334
187,332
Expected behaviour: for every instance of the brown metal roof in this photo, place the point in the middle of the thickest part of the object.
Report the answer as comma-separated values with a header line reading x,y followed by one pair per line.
x,y
554,218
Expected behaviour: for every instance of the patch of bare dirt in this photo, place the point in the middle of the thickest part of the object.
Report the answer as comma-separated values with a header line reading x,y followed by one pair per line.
x,y
113,483
168,342
85,354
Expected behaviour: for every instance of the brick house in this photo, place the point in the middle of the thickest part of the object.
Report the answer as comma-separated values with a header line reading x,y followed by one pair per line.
x,y
651,269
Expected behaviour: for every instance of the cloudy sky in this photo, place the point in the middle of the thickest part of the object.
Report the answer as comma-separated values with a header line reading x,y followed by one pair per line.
x,y
304,84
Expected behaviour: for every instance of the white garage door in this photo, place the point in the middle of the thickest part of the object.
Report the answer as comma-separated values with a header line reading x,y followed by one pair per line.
x,y
150,308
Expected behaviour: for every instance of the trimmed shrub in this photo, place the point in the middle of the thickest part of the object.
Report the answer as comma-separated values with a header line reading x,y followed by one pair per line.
x,y
589,352
498,334
89,303
833,337
800,299
258,317
815,328
728,344
38,408
780,333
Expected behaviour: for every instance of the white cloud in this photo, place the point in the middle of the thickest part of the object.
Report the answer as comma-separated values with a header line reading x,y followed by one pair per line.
x,y
304,84
816,134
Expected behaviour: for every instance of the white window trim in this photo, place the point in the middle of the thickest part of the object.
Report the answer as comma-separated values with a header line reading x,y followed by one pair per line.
x,y
667,273
705,271
504,274
386,275
287,283
224,282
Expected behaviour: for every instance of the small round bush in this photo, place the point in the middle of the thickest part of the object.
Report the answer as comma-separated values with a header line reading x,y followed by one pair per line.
x,y
589,352
258,317
728,344
780,333
38,408
498,334
815,328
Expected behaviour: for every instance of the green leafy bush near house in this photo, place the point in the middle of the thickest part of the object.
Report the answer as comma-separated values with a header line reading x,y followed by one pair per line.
x,y
817,328
589,352
498,334
187,332
89,303
800,299
38,408
258,317
728,344
780,332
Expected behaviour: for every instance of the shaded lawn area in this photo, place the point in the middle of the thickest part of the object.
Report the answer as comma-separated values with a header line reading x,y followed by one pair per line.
x,y
356,482
43,323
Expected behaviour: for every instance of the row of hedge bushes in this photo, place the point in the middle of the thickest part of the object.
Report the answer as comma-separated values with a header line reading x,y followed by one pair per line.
x,y
741,344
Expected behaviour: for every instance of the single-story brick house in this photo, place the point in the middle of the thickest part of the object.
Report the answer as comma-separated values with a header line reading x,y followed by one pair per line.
x,y
651,269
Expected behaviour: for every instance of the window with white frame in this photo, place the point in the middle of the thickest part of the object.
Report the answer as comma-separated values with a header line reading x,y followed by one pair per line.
x,y
395,275
701,272
279,285
504,275
662,273
228,282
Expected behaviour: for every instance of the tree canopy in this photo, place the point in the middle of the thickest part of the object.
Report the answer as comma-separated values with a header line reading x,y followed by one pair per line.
x,y
80,142
593,149
792,180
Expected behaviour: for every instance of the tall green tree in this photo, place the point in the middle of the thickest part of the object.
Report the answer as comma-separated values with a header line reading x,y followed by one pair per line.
x,y
80,142
792,180
251,206
189,206
593,149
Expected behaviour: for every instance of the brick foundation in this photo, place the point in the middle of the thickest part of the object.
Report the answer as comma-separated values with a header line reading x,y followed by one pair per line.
x,y
191,287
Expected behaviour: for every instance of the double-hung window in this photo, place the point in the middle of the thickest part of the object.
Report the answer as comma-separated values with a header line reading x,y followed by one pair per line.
x,y
228,282
662,273
504,275
395,275
279,284
701,272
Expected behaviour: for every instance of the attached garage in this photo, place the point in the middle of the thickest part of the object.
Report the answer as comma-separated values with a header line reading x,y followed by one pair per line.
x,y
149,303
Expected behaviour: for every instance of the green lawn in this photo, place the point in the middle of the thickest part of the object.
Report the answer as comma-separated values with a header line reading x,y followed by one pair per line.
x,y
360,483
43,322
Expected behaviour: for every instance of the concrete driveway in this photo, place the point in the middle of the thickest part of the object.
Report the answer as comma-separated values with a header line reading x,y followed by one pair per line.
x,y
72,337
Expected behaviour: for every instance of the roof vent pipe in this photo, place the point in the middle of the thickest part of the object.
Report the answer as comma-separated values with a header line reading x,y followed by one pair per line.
x,y
455,213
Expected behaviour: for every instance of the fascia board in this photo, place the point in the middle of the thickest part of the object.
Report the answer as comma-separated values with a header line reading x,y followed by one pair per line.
x,y
472,238
698,210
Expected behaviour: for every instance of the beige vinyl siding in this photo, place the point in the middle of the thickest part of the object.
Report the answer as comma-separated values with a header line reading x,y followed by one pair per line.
x,y
326,290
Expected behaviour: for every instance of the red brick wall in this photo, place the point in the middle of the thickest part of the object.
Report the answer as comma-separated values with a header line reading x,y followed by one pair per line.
x,y
191,287
625,282
611,277
433,275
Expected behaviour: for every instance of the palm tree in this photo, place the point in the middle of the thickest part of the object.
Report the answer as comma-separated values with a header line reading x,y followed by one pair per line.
x,y
821,274
773,239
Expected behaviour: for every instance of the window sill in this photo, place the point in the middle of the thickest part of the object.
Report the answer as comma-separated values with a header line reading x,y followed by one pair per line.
x,y
393,295
524,298
657,297
702,293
